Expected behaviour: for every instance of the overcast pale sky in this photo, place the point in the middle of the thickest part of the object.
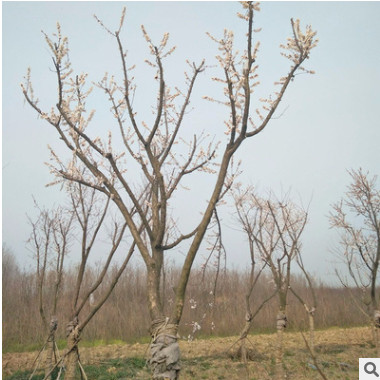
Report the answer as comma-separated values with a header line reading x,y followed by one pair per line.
x,y
329,121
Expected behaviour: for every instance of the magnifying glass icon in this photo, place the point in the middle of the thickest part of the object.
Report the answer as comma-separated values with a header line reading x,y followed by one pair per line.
x,y
370,368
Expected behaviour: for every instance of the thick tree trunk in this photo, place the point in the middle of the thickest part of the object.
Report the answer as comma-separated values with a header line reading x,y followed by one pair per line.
x,y
164,354
72,358
164,358
281,325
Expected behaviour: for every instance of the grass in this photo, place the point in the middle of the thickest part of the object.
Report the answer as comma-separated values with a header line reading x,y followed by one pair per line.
x,y
337,350
130,368
114,369
29,347
24,375
101,342
61,343
36,346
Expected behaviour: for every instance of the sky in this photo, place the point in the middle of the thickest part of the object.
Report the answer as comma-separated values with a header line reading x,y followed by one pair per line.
x,y
327,123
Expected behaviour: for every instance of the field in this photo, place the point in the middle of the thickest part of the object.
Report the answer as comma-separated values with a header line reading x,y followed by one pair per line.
x,y
338,351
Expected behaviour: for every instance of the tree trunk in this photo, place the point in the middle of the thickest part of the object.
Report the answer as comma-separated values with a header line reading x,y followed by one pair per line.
x,y
49,356
72,358
242,350
281,325
164,354
50,348
311,330
164,358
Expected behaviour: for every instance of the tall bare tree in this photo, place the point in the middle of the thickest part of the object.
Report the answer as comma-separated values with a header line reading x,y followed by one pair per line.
x,y
274,228
49,242
158,152
357,218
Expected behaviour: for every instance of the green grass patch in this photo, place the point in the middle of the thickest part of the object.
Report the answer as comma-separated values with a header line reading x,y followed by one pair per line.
x,y
24,375
114,369
61,343
29,347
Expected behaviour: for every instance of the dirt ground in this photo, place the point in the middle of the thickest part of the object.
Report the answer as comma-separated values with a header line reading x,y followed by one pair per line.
x,y
338,351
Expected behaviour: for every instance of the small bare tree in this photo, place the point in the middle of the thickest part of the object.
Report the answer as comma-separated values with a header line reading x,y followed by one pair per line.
x,y
158,151
275,227
49,242
245,210
90,215
357,218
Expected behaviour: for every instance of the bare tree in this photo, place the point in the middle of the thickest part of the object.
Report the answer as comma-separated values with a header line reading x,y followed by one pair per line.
x,y
49,242
274,228
158,153
245,210
357,218
90,214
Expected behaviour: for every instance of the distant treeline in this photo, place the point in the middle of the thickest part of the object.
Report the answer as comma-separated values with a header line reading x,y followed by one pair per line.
x,y
210,310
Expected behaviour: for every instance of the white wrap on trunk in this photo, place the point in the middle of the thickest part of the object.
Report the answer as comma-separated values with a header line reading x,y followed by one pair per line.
x,y
164,350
